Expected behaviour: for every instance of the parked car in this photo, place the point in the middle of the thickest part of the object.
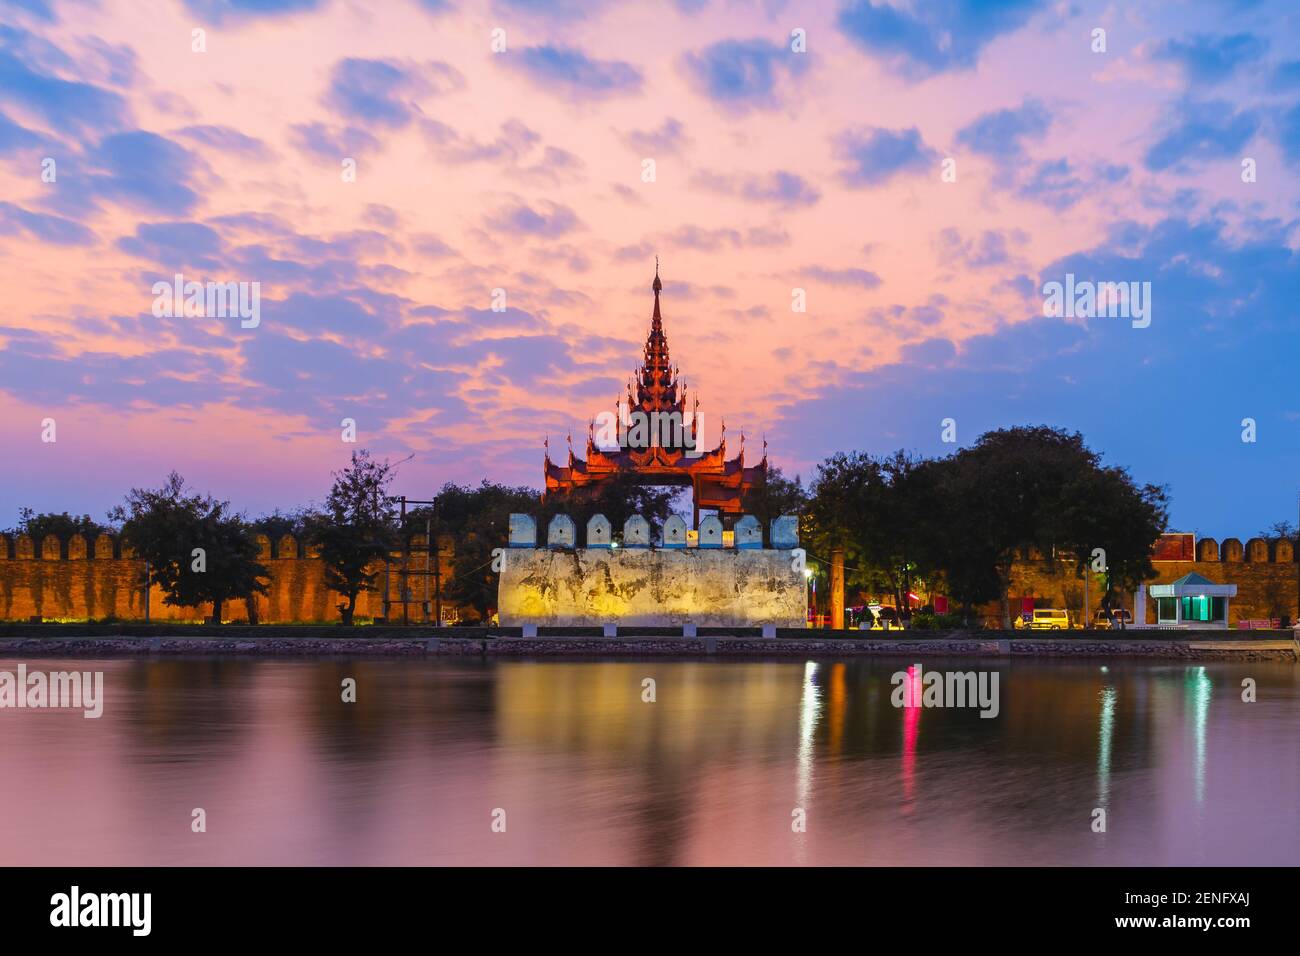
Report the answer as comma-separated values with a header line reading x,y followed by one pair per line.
x,y
1044,619
1117,616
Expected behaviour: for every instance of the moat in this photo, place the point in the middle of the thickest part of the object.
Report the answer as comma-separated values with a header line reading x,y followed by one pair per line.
x,y
586,771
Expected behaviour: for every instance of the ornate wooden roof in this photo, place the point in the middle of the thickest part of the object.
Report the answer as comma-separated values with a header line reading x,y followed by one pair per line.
x,y
675,459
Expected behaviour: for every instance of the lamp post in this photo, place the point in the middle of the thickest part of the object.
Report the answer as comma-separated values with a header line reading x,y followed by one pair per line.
x,y
810,595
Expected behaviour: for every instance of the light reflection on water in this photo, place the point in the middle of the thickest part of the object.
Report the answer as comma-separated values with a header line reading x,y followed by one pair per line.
x,y
709,773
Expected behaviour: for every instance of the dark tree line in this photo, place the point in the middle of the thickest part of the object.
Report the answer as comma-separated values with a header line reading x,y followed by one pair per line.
x,y
964,520
957,522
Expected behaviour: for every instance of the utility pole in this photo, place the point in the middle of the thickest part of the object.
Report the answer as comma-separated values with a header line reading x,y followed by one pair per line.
x,y
406,568
437,566
1086,574
430,558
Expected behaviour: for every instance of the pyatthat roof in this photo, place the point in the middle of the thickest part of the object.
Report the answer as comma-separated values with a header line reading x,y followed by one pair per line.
x,y
719,482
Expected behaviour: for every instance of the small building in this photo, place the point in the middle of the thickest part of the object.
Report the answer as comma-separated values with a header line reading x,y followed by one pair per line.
x,y
1192,601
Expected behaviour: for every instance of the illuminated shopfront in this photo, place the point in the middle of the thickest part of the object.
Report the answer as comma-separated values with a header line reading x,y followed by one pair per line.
x,y
1192,601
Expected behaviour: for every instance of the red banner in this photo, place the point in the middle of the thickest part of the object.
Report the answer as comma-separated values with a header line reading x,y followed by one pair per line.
x,y
1176,546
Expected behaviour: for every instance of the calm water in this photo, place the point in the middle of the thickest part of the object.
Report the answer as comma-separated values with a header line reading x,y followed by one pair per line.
x,y
587,773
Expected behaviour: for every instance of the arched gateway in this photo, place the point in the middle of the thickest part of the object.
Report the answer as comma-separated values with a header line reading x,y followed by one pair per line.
x,y
657,439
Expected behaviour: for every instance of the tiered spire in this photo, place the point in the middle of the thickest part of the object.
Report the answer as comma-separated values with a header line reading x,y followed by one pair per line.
x,y
657,387
669,452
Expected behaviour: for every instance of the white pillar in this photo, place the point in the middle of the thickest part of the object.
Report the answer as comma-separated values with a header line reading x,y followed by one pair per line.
x,y
1140,606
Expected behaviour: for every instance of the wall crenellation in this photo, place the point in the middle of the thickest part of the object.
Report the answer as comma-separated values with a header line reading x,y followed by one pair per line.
x,y
562,532
78,579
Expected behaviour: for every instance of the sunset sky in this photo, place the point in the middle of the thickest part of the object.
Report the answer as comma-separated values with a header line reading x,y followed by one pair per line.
x,y
522,170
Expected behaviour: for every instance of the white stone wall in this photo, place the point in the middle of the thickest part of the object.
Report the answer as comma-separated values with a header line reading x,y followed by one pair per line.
x,y
637,586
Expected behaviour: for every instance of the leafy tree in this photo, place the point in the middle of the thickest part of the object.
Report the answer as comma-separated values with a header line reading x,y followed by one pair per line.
x,y
166,525
1108,524
278,523
356,529
618,499
1280,531
966,561
847,491
62,526
881,512
772,496
479,519
1039,489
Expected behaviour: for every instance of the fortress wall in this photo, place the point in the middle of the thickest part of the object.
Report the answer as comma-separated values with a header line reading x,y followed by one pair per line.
x,y
1265,589
80,580
92,580
639,586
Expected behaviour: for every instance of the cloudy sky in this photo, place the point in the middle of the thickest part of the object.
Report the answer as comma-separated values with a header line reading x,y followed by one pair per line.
x,y
525,170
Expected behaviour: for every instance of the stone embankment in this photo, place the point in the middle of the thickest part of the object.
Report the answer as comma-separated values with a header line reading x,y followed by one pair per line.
x,y
304,641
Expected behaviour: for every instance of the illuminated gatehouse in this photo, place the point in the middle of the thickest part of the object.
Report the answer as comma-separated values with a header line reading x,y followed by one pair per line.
x,y
657,455
1192,601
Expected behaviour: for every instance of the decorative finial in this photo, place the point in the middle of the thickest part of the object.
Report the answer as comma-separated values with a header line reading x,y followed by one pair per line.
x,y
657,286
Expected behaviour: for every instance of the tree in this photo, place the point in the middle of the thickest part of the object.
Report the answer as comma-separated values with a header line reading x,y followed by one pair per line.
x,y
846,495
966,560
617,498
1040,489
772,496
62,526
479,518
1108,524
198,551
880,511
278,523
356,529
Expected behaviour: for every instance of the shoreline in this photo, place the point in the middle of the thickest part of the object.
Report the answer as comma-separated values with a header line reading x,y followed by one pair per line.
x,y
54,640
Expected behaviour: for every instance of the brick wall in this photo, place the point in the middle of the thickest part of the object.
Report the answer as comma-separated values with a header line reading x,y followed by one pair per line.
x,y
1265,574
82,580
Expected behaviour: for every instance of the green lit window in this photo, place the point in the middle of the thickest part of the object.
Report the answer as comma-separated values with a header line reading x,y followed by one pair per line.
x,y
1196,608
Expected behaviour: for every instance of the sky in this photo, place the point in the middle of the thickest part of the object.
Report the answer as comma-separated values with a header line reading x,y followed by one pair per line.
x,y
916,173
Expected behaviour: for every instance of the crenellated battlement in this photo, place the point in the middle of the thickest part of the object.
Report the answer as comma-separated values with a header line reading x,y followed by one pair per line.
x,y
1255,551
747,535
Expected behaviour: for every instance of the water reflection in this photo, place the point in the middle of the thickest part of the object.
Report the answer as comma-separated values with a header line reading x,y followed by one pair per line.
x,y
709,773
